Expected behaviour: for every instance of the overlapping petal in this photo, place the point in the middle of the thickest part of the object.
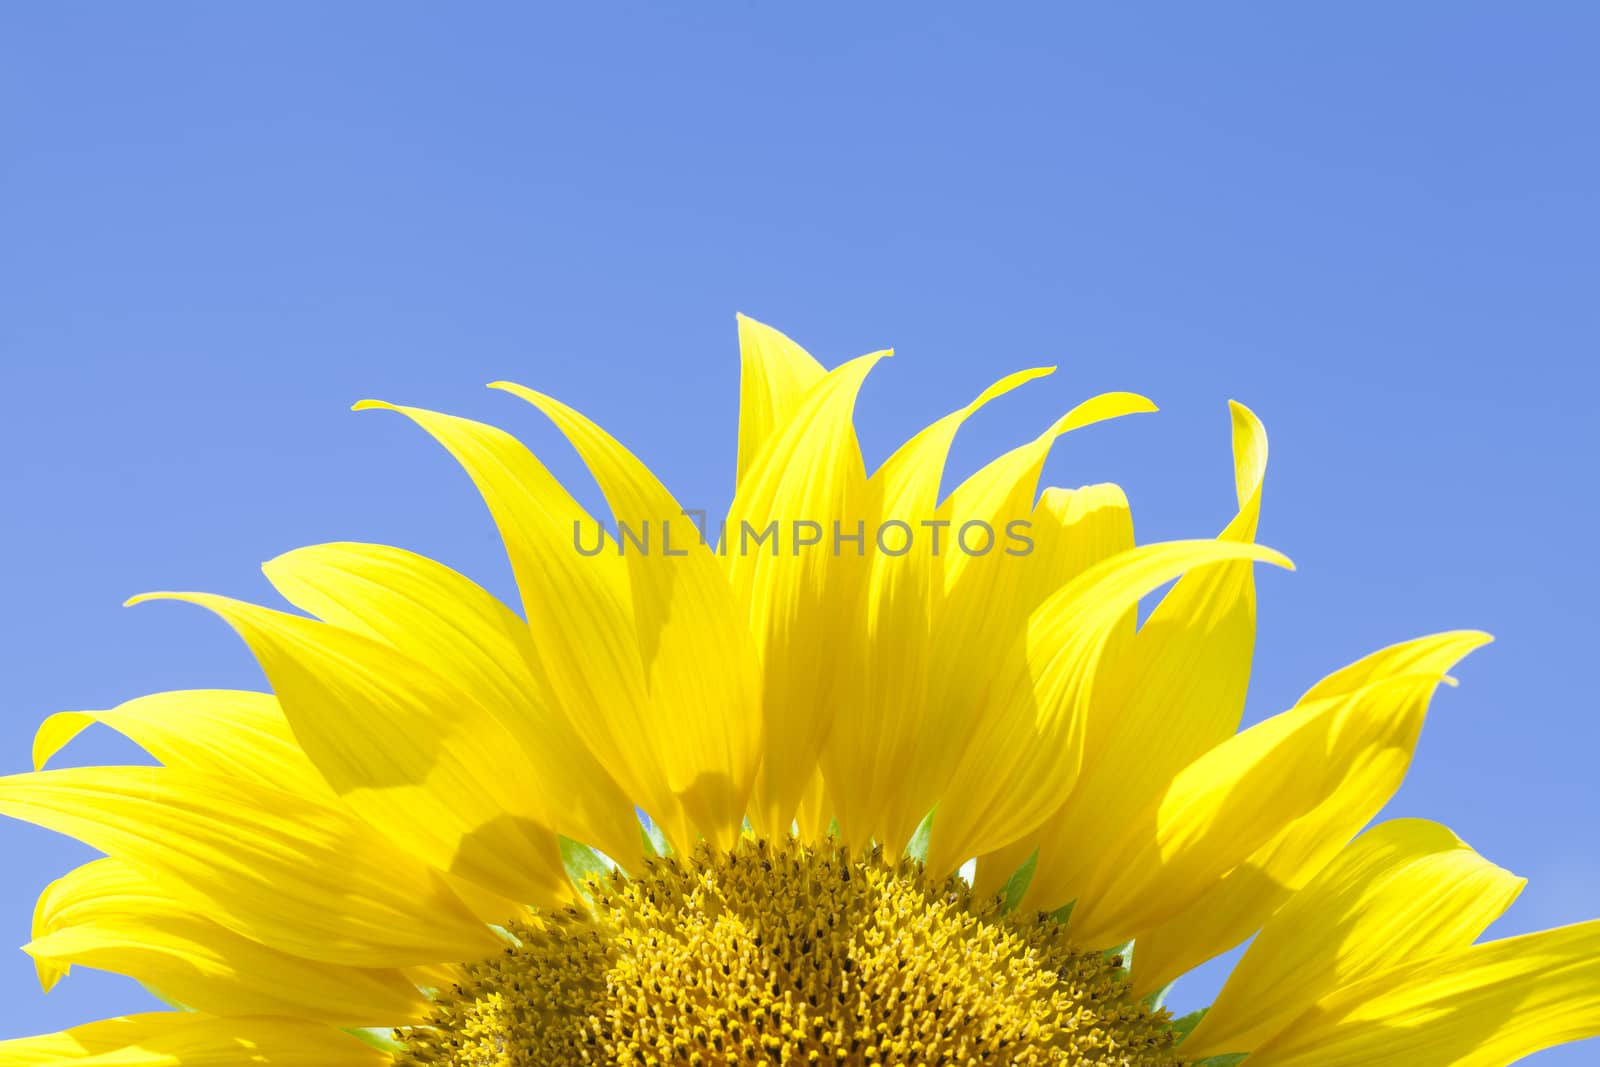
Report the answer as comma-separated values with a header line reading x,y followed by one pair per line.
x,y
1023,758
1245,791
1405,891
429,613
775,374
281,869
1484,1006
223,731
885,659
989,595
189,1039
697,654
416,757
578,607
109,915
805,492
1232,909
1175,689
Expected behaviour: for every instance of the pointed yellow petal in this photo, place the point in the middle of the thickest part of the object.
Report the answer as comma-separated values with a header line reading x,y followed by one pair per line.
x,y
1072,530
1241,794
774,376
1076,528
990,593
109,916
73,1045
433,615
1405,890
1484,1006
699,659
1236,906
800,598
578,605
1021,761
189,1039
1179,691
278,868
816,809
1003,491
415,757
884,667
912,475
223,731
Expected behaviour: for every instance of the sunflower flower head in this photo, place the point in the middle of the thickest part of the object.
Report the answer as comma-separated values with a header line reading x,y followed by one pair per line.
x,y
791,953
861,771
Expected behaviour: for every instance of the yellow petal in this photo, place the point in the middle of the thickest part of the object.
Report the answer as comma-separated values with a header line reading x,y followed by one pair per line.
x,y
774,376
1484,1006
1405,890
1241,794
109,916
281,869
578,606
189,1039
699,659
73,1045
1021,761
223,731
990,594
1235,907
800,599
415,757
431,614
816,809
1003,491
1178,692
1076,528
884,666
1072,530
912,475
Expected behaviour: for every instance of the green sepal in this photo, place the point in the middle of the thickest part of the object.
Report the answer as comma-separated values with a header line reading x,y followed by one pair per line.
x,y
584,865
1158,1000
1227,1059
379,1038
655,842
917,847
1064,913
1185,1026
168,1001
1011,893
1125,951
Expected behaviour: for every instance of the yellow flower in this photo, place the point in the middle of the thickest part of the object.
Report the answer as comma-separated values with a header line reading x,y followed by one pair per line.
x,y
706,801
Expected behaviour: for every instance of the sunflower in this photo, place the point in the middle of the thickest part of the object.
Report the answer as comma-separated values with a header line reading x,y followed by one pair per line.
x,y
860,776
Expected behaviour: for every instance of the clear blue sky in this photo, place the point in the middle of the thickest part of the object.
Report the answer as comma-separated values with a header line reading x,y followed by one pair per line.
x,y
1376,224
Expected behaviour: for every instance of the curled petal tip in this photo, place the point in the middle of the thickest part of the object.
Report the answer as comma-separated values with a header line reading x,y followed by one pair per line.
x,y
161,594
519,390
1276,558
369,405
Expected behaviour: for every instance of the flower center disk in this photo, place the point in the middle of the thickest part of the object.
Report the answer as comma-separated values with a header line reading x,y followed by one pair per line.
x,y
780,952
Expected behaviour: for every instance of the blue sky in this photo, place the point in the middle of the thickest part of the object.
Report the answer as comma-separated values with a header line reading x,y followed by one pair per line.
x,y
1375,224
